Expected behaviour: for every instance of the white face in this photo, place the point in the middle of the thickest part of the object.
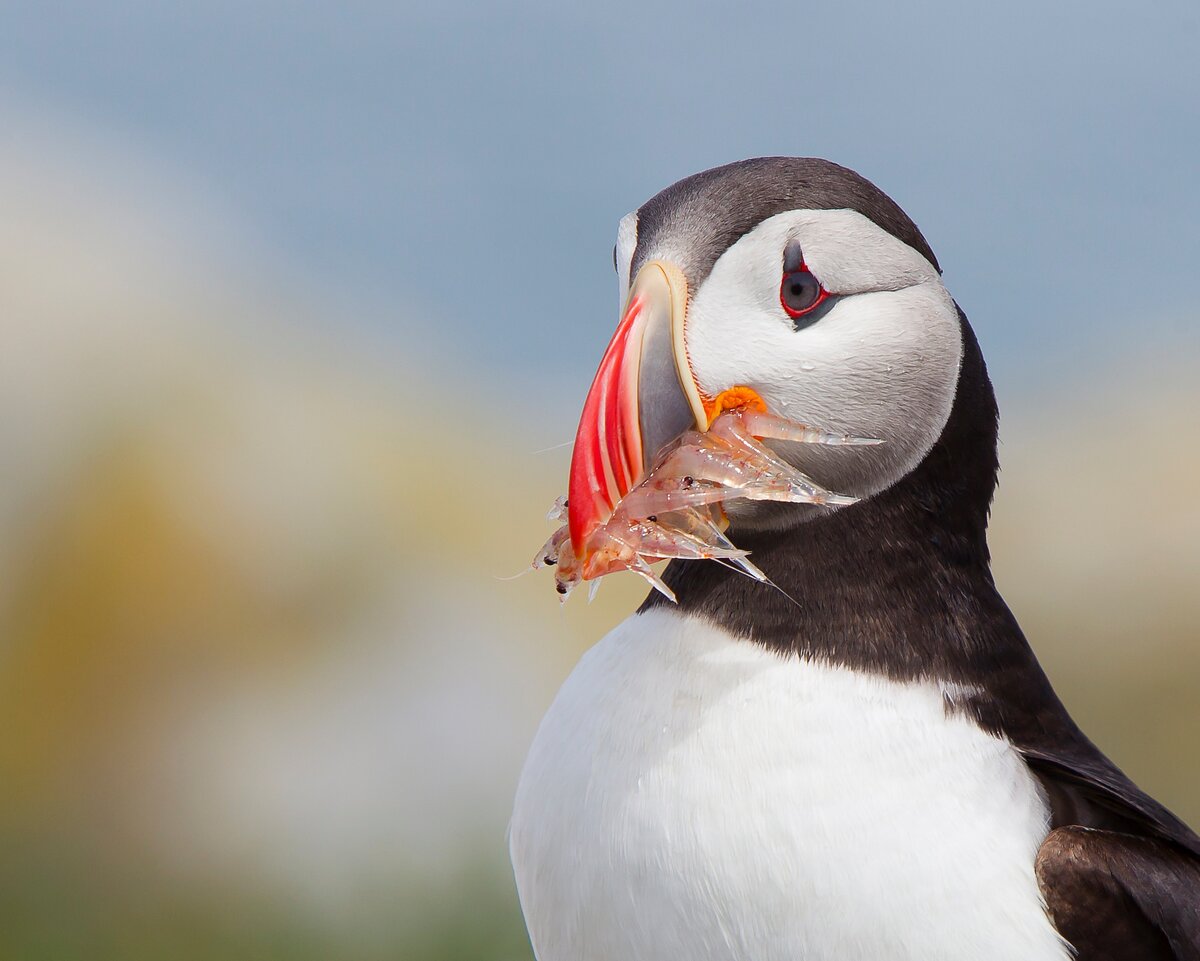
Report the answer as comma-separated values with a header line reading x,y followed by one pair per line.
x,y
882,362
623,253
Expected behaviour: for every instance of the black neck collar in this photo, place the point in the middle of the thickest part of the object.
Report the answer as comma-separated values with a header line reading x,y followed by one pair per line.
x,y
898,584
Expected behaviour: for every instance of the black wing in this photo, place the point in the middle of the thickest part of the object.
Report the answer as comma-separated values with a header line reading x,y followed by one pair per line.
x,y
1119,872
1119,897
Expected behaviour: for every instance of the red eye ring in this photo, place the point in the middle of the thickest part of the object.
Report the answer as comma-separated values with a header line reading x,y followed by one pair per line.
x,y
800,292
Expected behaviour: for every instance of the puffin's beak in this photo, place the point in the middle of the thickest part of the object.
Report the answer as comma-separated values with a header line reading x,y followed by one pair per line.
x,y
642,398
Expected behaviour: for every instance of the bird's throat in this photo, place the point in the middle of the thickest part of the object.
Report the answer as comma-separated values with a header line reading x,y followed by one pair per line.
x,y
885,584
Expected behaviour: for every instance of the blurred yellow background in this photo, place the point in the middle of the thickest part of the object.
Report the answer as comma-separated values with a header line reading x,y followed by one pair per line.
x,y
265,685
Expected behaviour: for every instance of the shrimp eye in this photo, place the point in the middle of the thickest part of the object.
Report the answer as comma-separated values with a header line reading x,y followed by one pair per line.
x,y
800,292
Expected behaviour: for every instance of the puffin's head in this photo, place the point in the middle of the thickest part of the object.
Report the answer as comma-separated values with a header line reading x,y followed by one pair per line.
x,y
786,283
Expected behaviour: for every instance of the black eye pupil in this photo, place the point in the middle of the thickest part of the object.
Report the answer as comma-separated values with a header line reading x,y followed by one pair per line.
x,y
800,291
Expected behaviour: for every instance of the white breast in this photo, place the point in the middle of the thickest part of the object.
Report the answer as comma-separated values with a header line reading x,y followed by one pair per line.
x,y
691,796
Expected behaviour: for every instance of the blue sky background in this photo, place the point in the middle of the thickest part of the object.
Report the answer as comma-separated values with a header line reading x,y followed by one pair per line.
x,y
452,176
265,685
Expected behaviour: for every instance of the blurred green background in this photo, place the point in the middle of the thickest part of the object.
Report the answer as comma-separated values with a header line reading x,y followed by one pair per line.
x,y
297,304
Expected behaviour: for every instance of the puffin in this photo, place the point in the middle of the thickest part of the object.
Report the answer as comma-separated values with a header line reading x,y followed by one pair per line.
x,y
858,755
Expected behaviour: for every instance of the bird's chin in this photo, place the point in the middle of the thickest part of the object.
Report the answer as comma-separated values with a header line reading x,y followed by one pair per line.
x,y
858,473
752,517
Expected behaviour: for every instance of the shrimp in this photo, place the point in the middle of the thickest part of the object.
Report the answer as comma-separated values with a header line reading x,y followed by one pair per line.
x,y
677,510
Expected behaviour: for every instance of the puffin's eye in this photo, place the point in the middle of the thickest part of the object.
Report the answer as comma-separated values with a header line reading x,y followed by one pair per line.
x,y
800,292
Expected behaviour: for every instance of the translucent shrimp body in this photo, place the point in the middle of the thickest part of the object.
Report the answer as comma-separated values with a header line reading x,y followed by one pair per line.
x,y
675,511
